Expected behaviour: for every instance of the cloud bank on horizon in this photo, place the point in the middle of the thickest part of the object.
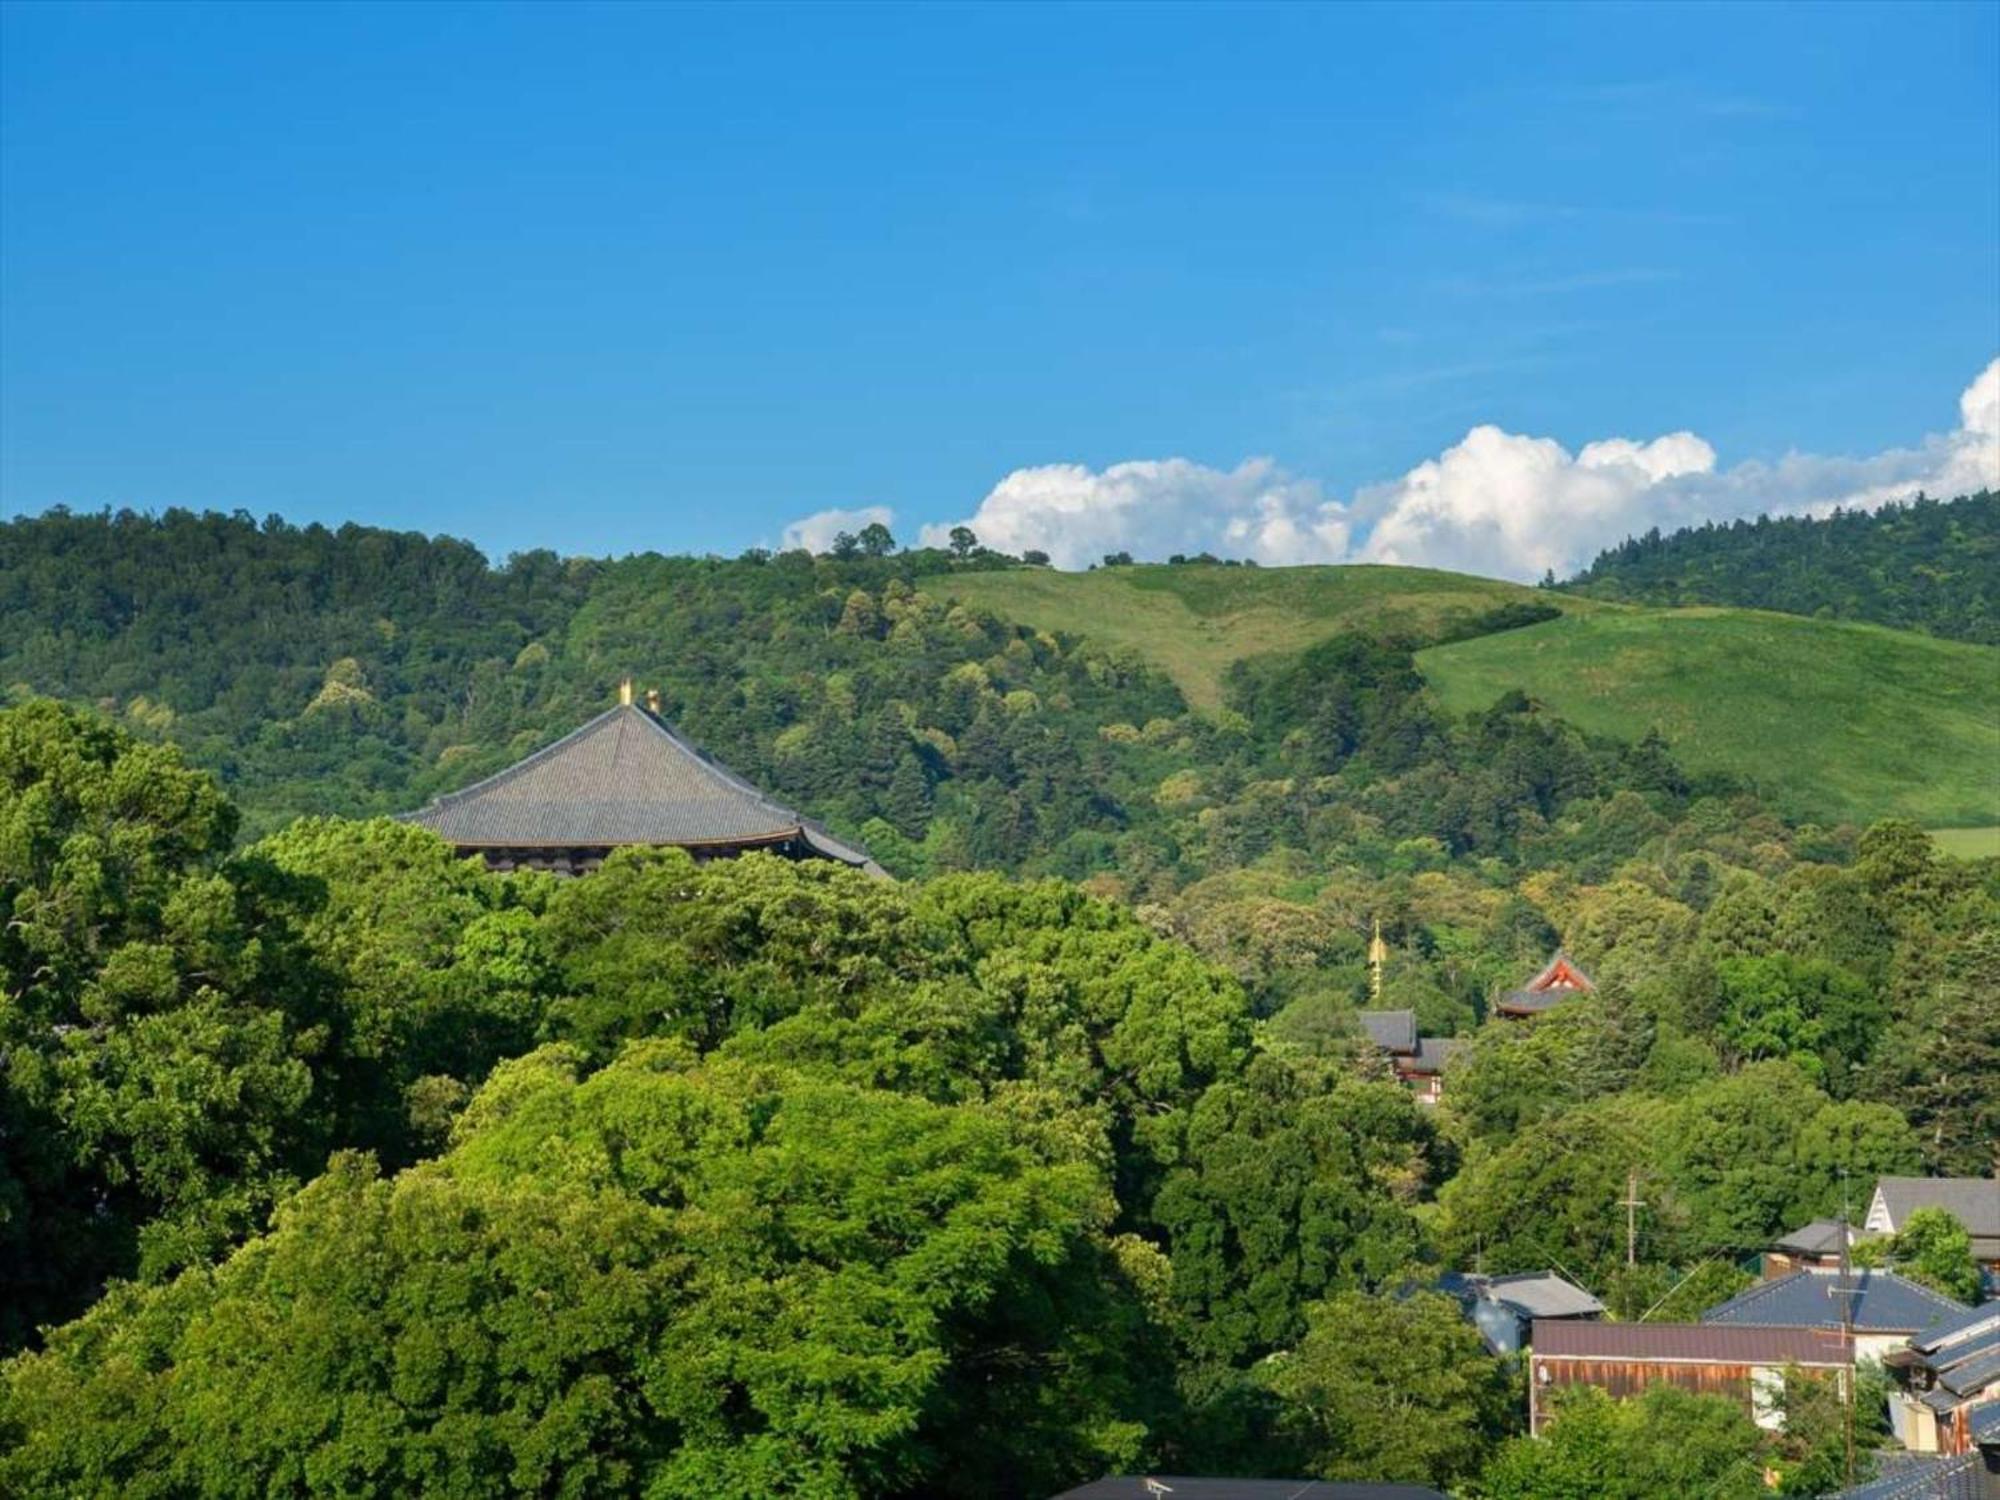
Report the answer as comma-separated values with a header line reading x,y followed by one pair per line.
x,y
1496,502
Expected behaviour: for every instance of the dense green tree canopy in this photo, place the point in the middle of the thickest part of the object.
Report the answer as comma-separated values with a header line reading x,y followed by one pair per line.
x,y
717,1281
1666,1442
332,1163
1927,565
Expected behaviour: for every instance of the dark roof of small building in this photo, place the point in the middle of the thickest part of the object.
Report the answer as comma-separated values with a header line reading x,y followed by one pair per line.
x,y
1820,1237
1963,1476
1984,1423
1973,1201
1434,1053
1391,1030
623,778
1542,1294
1181,1487
1879,1302
1688,1343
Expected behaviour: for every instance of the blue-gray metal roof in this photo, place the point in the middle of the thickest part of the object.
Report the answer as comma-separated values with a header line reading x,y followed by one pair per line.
x,y
1879,1302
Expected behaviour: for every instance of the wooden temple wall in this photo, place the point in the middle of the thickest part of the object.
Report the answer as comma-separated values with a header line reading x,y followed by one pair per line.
x,y
581,861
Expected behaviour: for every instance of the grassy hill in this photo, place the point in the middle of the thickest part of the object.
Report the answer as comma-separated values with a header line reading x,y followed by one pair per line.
x,y
1194,621
1835,720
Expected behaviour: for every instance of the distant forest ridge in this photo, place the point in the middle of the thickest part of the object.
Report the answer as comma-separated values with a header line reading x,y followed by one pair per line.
x,y
951,708
1927,565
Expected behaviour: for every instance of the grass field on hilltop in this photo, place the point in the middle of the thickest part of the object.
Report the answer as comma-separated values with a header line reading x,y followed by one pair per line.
x,y
1969,843
1835,720
1193,621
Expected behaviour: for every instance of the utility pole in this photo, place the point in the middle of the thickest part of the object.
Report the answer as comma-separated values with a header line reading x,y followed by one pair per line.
x,y
1631,1203
1847,1295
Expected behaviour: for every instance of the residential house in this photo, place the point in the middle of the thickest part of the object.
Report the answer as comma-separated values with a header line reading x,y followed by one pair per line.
x,y
1560,979
1819,1246
1746,1364
1971,1475
1504,1308
1973,1201
1882,1309
1947,1379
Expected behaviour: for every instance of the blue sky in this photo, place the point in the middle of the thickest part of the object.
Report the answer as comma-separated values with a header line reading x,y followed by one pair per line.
x,y
616,278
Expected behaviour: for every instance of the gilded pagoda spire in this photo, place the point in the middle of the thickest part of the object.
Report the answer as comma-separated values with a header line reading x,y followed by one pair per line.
x,y
1378,953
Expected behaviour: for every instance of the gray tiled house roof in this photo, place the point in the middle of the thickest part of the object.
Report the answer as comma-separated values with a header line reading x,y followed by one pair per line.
x,y
1973,1201
1544,1294
623,778
1820,1237
1963,1476
1881,1302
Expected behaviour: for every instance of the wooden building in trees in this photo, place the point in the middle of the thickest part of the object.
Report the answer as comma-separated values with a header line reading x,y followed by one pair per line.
x,y
623,779
1417,1061
1560,978
1746,1364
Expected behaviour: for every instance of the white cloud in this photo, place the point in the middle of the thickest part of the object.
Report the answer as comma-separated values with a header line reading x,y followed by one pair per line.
x,y
1499,503
1154,508
815,533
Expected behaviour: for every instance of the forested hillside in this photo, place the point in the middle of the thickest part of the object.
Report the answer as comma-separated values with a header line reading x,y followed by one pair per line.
x,y
335,1165
953,712
1929,565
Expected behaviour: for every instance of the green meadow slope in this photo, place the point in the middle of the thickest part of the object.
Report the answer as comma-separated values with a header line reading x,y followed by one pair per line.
x,y
1195,621
1835,720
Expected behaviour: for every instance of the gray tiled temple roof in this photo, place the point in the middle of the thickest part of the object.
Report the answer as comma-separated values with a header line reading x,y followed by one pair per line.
x,y
1391,1030
623,778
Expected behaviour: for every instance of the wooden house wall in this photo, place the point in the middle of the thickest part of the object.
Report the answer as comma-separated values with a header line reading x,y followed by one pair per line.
x,y
1628,1377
